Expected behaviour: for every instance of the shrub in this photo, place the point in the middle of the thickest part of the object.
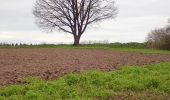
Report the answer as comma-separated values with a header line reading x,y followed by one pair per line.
x,y
159,39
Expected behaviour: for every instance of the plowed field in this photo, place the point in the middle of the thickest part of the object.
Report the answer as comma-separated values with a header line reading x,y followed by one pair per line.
x,y
53,63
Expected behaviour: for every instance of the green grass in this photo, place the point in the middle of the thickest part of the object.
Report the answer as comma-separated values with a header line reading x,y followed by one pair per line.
x,y
133,82
126,47
123,49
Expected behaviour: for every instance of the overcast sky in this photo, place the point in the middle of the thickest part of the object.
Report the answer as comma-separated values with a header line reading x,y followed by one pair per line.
x,y
135,19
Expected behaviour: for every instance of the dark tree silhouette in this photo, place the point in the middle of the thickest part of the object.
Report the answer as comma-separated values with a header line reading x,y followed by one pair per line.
x,y
72,16
159,38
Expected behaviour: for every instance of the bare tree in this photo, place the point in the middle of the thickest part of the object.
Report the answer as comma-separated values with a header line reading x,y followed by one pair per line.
x,y
159,38
72,16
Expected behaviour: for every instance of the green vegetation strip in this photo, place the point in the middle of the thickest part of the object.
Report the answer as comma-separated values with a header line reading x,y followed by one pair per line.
x,y
136,81
124,47
127,49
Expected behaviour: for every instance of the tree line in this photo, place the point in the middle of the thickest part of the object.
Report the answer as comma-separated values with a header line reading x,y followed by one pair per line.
x,y
159,38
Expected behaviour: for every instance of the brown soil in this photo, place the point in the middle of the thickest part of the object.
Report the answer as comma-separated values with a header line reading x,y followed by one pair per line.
x,y
52,63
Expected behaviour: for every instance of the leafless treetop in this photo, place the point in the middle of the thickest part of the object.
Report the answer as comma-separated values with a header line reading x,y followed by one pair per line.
x,y
72,16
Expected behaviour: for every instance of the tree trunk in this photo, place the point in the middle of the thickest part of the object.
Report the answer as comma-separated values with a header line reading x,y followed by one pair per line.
x,y
76,40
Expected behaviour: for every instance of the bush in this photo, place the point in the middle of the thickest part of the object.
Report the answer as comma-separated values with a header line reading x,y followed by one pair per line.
x,y
159,39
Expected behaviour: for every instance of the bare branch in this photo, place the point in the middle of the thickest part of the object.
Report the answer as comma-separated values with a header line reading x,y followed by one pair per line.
x,y
72,16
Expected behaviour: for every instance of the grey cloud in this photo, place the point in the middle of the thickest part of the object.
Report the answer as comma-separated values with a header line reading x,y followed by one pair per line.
x,y
135,8
135,19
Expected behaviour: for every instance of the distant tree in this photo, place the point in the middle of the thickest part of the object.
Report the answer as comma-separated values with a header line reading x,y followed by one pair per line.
x,y
159,38
72,16
168,27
